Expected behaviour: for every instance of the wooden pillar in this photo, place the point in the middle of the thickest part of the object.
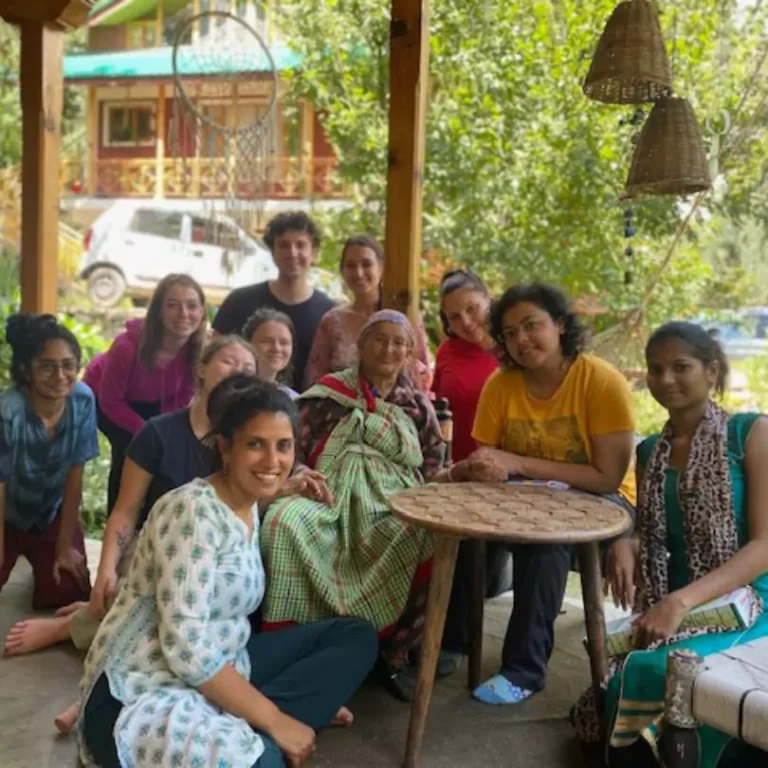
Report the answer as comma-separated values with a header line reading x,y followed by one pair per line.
x,y
42,96
196,26
308,146
93,141
409,79
160,25
160,126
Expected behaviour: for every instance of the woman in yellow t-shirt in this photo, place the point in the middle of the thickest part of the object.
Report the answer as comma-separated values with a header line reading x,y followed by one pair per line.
x,y
552,413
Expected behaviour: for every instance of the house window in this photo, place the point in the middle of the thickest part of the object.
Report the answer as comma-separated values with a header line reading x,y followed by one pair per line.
x,y
142,34
129,125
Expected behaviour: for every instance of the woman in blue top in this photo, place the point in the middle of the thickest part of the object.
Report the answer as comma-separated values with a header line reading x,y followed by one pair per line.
x,y
47,434
167,452
702,531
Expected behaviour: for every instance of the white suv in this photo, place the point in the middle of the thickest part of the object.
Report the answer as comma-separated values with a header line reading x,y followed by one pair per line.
x,y
134,244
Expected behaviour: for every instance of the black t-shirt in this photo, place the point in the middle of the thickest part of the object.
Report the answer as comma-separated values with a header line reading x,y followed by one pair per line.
x,y
243,302
168,449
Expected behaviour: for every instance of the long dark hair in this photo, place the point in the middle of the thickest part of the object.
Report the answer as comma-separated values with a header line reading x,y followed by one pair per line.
x,y
365,241
458,280
269,315
27,335
701,344
554,302
152,328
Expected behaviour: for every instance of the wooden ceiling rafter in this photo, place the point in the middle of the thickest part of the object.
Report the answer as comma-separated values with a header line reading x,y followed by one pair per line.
x,y
63,14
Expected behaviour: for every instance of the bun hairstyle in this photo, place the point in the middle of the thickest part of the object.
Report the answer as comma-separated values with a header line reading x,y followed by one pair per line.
x,y
554,302
240,397
28,334
699,342
458,280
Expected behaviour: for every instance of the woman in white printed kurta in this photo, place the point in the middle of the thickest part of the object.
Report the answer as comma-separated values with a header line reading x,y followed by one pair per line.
x,y
174,677
180,616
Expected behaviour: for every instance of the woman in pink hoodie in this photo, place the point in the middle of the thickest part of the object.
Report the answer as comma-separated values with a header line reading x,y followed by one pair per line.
x,y
149,369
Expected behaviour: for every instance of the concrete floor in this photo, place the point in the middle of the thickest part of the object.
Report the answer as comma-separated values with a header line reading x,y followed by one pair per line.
x,y
460,733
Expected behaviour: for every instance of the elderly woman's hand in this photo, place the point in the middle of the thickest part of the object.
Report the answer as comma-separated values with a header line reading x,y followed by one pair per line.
x,y
310,484
486,466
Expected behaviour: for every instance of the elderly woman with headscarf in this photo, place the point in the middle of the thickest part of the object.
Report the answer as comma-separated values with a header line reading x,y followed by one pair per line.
x,y
371,433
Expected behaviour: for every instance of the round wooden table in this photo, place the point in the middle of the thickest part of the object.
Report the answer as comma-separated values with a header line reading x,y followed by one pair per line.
x,y
515,513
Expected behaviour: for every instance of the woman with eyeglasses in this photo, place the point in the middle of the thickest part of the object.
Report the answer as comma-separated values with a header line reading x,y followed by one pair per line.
x,y
47,434
552,413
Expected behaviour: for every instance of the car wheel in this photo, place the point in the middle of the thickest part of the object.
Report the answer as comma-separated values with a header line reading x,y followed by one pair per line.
x,y
106,287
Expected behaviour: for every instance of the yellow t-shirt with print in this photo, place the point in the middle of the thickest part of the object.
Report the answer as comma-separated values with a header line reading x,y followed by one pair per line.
x,y
594,399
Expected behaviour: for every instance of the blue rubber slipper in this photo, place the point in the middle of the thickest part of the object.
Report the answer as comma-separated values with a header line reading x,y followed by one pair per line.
x,y
498,690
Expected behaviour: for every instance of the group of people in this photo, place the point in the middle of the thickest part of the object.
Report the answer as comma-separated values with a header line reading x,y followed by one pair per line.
x,y
252,573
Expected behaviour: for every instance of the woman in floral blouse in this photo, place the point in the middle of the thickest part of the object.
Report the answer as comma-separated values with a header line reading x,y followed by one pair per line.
x,y
335,344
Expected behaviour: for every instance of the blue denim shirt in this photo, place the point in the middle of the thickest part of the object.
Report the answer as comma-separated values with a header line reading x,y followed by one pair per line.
x,y
34,464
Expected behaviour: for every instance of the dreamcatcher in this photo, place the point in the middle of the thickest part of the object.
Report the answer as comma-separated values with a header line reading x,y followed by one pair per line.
x,y
223,126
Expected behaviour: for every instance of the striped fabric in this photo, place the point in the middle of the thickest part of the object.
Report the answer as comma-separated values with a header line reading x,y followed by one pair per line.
x,y
354,558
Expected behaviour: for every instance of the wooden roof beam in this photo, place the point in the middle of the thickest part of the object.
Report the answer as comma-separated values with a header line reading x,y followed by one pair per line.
x,y
64,14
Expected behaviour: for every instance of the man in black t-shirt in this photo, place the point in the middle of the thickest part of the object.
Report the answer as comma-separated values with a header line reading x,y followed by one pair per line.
x,y
294,241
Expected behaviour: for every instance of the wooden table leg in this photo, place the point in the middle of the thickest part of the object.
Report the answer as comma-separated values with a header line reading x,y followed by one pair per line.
x,y
446,549
476,596
592,592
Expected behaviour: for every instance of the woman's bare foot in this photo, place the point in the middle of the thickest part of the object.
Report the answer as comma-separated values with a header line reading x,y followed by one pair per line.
x,y
65,721
71,608
36,634
344,718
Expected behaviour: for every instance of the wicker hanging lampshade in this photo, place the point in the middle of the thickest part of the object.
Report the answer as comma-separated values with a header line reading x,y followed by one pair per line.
x,y
630,65
669,157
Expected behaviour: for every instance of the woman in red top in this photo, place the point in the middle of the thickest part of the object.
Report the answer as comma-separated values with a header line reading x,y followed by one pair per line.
x,y
462,364
468,356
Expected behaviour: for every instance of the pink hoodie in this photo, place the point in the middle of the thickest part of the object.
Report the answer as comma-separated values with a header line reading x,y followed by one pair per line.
x,y
117,378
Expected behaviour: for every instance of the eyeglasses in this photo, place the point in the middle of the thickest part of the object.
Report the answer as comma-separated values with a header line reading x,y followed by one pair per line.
x,y
48,368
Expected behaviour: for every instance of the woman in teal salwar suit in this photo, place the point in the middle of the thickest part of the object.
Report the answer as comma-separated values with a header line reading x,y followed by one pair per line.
x,y
702,531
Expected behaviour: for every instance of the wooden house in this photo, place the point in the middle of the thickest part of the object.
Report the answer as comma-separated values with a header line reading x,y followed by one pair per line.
x,y
137,146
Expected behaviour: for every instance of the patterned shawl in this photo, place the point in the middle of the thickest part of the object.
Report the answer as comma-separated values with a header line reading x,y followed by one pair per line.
x,y
709,524
354,558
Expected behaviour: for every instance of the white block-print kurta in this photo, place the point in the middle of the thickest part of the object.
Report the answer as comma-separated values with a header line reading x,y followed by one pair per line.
x,y
181,614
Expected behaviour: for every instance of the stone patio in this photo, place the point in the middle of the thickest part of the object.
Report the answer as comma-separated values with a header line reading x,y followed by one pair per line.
x,y
460,732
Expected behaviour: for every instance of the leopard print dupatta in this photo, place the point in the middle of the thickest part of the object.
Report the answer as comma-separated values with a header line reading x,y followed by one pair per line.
x,y
706,501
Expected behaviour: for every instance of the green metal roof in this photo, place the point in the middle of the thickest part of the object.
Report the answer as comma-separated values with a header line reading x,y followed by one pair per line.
x,y
158,63
112,12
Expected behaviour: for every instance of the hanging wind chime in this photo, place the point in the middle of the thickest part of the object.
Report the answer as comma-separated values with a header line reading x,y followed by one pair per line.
x,y
629,228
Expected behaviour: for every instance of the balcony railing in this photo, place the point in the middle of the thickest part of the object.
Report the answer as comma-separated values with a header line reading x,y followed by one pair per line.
x,y
289,178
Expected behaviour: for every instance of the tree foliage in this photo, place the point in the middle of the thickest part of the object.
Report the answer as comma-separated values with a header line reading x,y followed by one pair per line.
x,y
524,175
73,122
